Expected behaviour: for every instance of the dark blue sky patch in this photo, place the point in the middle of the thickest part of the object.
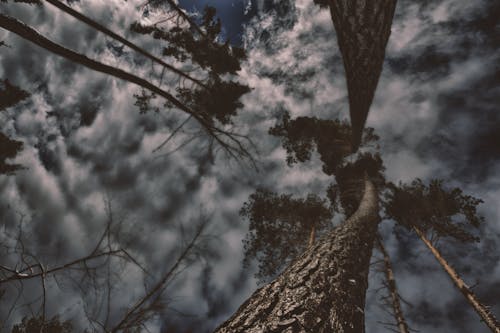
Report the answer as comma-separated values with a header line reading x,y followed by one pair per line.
x,y
232,13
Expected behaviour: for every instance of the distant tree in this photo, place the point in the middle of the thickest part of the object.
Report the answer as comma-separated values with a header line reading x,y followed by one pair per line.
x,y
394,299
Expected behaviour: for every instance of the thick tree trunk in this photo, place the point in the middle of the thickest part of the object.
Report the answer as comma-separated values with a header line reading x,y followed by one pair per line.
x,y
393,290
363,28
324,289
486,315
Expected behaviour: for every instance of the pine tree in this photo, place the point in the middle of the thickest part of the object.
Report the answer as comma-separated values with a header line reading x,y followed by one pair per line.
x,y
441,212
363,28
212,102
323,289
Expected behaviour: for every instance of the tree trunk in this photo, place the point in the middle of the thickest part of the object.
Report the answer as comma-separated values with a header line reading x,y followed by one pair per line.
x,y
393,291
324,289
363,28
486,315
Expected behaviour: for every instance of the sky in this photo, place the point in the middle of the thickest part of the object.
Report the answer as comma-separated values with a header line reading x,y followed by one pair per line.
x,y
88,155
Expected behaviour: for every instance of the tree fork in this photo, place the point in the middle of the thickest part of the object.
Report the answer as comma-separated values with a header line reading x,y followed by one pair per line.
x,y
324,289
486,315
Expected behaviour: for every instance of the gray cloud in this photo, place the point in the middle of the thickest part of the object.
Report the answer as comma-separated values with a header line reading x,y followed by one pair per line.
x,y
435,110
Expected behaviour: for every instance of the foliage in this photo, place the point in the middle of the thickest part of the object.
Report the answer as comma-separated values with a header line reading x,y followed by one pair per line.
x,y
280,227
332,139
39,325
9,149
143,101
205,50
447,212
214,98
10,95
219,99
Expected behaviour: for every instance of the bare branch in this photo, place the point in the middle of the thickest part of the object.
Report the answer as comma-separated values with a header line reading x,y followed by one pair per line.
x,y
138,310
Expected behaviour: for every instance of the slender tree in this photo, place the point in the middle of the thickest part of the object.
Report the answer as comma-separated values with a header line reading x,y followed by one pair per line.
x,y
482,310
433,209
390,283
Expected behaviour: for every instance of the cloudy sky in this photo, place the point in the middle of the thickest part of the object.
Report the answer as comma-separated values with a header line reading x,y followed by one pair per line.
x,y
88,155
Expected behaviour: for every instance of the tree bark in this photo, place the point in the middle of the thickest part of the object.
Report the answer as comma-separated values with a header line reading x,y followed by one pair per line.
x,y
393,290
363,28
324,289
485,314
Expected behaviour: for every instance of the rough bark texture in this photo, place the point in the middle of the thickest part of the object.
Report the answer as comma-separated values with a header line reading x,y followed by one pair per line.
x,y
485,314
324,289
363,28
393,290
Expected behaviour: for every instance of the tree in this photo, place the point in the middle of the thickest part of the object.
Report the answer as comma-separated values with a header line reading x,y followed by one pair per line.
x,y
441,213
390,283
207,90
327,295
482,310
363,28
211,101
323,289
96,274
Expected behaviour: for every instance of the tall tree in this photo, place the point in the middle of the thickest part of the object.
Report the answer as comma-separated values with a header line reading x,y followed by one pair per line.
x,y
212,102
390,283
363,28
433,209
332,274
323,289
482,310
